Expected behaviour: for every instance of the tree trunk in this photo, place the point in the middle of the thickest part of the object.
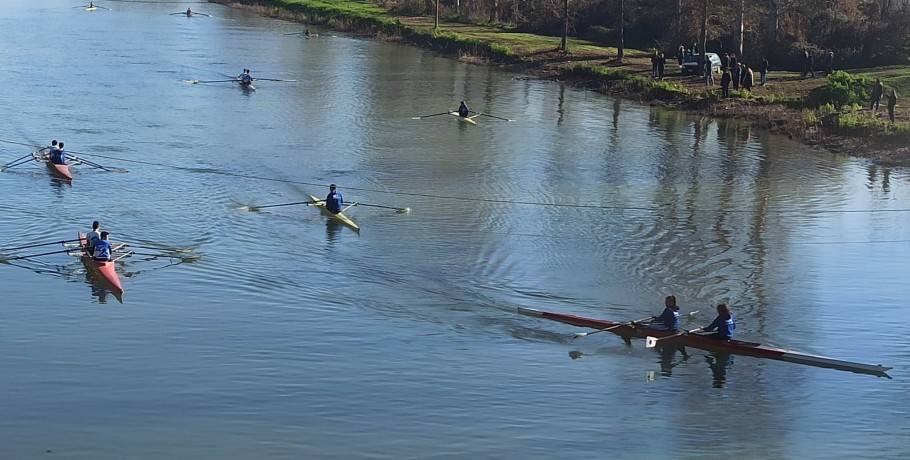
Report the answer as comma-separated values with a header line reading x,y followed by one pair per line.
x,y
739,27
494,12
621,49
773,26
704,36
564,46
436,21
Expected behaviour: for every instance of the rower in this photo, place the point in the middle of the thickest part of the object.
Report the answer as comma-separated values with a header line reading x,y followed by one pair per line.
x,y
189,12
92,236
334,201
57,155
463,110
245,77
723,323
669,318
102,249
306,33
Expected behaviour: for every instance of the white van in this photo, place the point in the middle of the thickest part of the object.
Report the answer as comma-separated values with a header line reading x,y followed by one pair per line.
x,y
690,65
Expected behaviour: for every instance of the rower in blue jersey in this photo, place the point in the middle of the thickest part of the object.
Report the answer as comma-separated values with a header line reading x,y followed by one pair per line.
x,y
334,201
724,324
102,249
245,77
57,155
463,110
669,318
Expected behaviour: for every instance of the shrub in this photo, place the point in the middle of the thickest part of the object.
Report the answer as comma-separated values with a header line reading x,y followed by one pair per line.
x,y
842,89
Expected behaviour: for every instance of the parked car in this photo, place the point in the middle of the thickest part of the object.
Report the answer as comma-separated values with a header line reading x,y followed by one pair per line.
x,y
690,64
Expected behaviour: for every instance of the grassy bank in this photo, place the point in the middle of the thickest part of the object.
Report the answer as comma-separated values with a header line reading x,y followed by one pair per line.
x,y
832,111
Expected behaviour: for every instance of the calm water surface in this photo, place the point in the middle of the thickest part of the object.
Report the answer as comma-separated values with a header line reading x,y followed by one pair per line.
x,y
282,335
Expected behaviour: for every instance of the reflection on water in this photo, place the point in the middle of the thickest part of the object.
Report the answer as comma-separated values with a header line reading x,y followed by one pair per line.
x,y
584,204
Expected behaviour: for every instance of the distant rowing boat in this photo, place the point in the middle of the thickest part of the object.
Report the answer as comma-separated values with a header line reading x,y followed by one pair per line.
x,y
339,216
738,347
469,120
246,86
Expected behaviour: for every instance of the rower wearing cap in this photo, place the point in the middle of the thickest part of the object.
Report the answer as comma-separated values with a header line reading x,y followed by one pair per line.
x,y
334,201
724,324
102,249
669,318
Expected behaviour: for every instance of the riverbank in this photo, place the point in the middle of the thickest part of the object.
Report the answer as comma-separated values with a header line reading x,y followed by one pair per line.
x,y
783,106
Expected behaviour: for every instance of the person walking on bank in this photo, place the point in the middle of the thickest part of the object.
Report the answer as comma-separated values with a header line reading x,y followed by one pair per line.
x,y
878,90
661,65
725,84
830,62
763,71
892,101
654,59
681,54
811,64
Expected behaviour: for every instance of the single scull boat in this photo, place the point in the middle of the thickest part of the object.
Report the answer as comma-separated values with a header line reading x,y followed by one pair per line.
x,y
337,216
738,347
468,120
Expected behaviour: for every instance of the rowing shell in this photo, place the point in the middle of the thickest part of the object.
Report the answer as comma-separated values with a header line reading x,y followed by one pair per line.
x,y
104,272
246,86
61,172
739,347
91,8
331,215
468,120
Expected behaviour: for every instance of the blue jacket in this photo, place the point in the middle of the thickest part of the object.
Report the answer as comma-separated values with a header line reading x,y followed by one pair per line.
x,y
102,250
463,110
334,201
669,319
724,326
57,156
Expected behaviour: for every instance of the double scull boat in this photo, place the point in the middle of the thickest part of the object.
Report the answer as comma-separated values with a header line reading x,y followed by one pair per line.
x,y
103,271
59,171
628,331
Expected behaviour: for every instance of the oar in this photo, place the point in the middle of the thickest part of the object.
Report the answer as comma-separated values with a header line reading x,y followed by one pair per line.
x,y
91,163
630,323
273,79
428,116
39,244
651,342
399,210
210,81
493,116
38,255
308,203
17,161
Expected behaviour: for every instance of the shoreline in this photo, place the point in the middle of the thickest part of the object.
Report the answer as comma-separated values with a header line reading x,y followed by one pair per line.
x,y
777,108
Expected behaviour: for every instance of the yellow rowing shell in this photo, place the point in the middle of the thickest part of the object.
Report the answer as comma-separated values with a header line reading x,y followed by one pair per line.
x,y
331,215
469,120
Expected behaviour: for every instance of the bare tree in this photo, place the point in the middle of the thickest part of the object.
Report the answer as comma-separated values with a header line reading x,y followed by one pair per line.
x,y
739,27
564,46
621,48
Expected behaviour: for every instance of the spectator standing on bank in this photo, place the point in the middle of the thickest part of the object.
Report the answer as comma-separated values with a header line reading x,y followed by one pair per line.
x,y
654,59
708,69
681,54
725,84
810,63
661,65
734,75
805,63
878,90
830,62
892,101
748,78
763,71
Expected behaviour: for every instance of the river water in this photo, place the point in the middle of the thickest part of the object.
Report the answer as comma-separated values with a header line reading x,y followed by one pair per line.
x,y
278,334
